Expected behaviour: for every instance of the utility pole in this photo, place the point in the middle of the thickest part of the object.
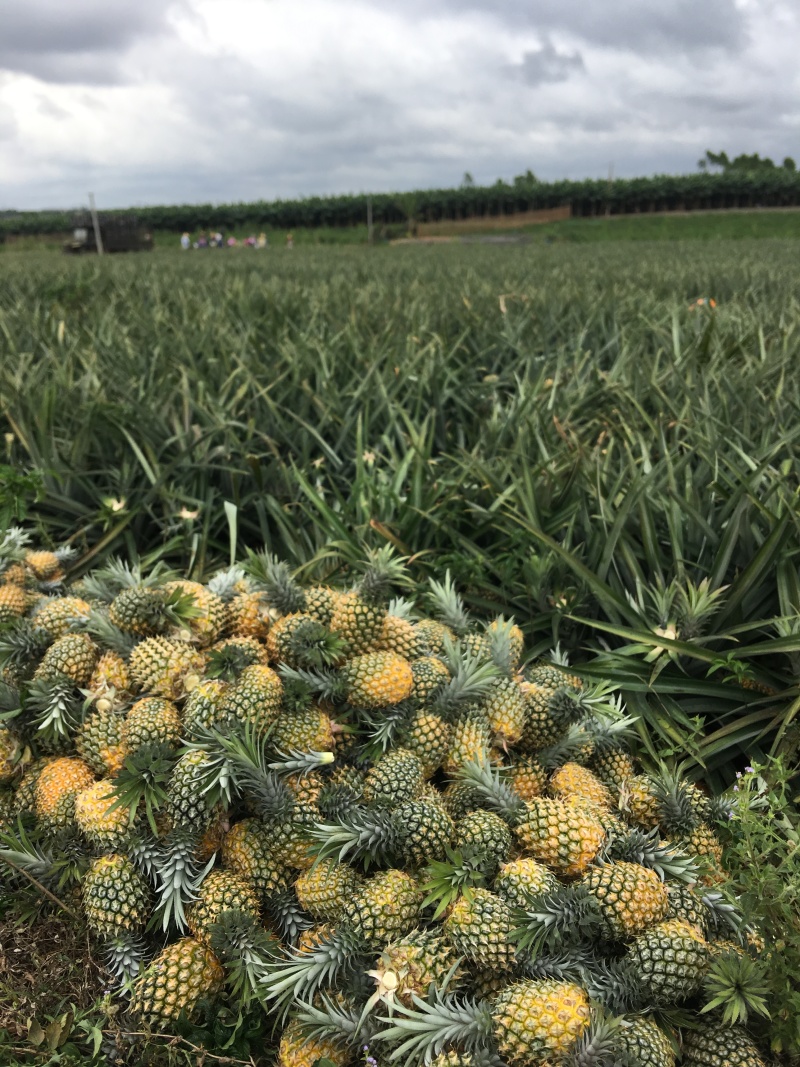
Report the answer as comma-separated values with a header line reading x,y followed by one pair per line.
x,y
95,225
610,183
369,219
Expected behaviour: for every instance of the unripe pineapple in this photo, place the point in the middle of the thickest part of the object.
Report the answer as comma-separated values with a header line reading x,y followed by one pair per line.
x,y
247,850
645,1042
25,793
188,805
479,927
10,752
429,675
432,636
428,831
716,1045
485,834
400,636
13,603
292,840
396,777
298,1050
203,707
378,679
59,615
572,780
99,740
631,897
670,959
140,610
248,616
560,835
231,655
166,668
255,697
506,712
683,902
614,767
151,721
184,973
220,891
73,656
321,603
515,638
358,622
309,730
107,830
428,737
541,729
58,784
324,889
539,1022
211,618
519,881
638,801
116,898
387,906
460,798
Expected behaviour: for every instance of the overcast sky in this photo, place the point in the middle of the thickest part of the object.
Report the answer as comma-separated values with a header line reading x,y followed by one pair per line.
x,y
147,101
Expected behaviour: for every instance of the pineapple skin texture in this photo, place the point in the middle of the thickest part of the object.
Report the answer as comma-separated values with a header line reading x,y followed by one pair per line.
x,y
378,679
560,835
539,1022
177,979
631,897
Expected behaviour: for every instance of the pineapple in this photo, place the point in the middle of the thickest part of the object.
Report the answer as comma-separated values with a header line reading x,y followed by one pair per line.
x,y
202,709
572,780
254,698
359,616
60,615
396,777
485,834
13,603
386,906
298,1050
209,617
428,737
300,641
116,898
470,740
107,830
321,603
428,831
509,633
631,898
150,610
432,636
151,721
560,835
715,1045
10,753
59,783
248,616
506,712
638,801
670,959
310,730
409,967
614,767
539,1022
220,891
183,974
99,740
46,566
166,668
325,889
398,635
520,880
528,778
479,927
247,851
110,673
645,1043
74,656
378,679
429,675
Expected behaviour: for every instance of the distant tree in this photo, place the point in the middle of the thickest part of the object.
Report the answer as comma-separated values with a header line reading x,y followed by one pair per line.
x,y
467,182
789,164
743,162
528,178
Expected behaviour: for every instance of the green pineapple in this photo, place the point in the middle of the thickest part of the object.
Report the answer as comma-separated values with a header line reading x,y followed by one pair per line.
x,y
182,975
715,1045
324,889
247,850
394,778
479,926
116,898
255,698
220,891
359,616
643,1040
387,906
151,721
670,958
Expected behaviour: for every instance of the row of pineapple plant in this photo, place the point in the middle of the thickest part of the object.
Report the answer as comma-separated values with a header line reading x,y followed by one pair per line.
x,y
367,813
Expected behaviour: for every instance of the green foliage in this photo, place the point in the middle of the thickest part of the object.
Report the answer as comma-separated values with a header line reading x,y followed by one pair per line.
x,y
762,855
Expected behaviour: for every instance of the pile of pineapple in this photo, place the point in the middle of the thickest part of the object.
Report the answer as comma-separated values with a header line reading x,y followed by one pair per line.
x,y
365,813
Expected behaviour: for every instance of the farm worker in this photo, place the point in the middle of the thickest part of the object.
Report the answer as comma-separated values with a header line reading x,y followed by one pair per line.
x,y
289,240
186,242
262,241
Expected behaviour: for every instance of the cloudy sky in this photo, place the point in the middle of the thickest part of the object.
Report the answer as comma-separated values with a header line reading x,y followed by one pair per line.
x,y
148,101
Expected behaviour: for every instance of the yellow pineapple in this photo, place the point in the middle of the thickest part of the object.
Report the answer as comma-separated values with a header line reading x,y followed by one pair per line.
x,y
57,786
378,679
165,668
183,973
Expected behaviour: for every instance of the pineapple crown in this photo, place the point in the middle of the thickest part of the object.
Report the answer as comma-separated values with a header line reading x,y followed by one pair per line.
x,y
495,793
555,920
140,786
422,1031
55,708
274,577
335,956
227,583
384,727
648,850
446,880
401,608
677,800
242,945
312,645
471,679
12,544
739,985
116,574
99,626
22,644
598,1045
337,1019
498,638
287,916
228,662
722,916
448,607
124,954
179,877
370,836
322,682
381,570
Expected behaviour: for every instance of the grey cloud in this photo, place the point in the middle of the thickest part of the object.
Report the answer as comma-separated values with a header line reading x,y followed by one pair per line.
x,y
77,42
547,64
651,26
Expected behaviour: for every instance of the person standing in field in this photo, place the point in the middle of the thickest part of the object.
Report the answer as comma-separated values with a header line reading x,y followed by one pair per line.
x,y
289,240
186,242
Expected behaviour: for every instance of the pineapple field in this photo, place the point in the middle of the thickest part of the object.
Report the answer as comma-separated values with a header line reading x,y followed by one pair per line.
x,y
400,657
